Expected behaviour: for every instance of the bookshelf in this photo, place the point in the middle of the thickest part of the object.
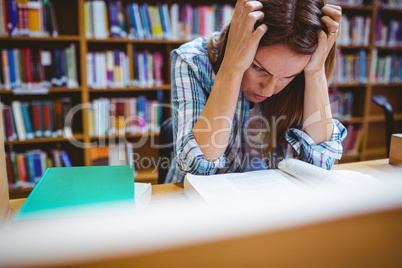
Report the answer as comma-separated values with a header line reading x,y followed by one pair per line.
x,y
363,113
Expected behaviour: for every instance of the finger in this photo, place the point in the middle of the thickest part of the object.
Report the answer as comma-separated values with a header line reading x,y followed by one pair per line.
x,y
334,13
259,32
333,26
339,8
252,19
322,38
251,6
239,8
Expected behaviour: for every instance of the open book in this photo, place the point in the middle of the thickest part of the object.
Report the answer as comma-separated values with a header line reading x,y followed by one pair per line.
x,y
292,175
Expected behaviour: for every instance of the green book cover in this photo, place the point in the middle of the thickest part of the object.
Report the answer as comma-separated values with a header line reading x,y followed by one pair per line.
x,y
72,191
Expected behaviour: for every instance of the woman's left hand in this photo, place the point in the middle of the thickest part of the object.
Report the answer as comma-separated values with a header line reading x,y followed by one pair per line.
x,y
332,19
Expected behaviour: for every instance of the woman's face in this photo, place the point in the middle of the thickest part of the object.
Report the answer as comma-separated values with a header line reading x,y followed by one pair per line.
x,y
273,68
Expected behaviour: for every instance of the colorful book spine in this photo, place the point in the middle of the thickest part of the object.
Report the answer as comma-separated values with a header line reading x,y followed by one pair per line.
x,y
19,121
27,121
66,159
6,69
12,17
47,118
13,79
10,171
114,23
11,135
120,19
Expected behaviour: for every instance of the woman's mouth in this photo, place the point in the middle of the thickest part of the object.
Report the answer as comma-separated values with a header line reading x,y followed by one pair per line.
x,y
259,97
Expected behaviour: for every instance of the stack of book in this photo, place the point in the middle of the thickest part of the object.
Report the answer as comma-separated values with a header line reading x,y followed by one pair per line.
x,y
27,18
119,116
355,31
386,68
36,119
29,69
388,32
350,68
144,21
25,169
341,104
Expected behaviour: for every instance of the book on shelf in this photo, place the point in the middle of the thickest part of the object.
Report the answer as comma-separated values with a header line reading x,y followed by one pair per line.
x,y
387,31
394,4
37,119
24,169
120,116
108,69
386,67
150,21
83,192
26,70
350,68
341,103
291,176
28,18
355,31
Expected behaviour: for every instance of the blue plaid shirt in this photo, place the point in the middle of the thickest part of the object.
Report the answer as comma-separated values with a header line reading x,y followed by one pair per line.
x,y
192,80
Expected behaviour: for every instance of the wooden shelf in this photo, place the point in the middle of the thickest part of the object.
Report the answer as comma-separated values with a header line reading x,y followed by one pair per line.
x,y
349,85
127,135
393,10
364,8
381,118
63,89
352,120
51,90
353,47
387,85
62,38
44,140
137,41
163,87
392,48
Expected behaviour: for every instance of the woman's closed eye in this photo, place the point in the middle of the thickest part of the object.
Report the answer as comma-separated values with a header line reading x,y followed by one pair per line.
x,y
258,68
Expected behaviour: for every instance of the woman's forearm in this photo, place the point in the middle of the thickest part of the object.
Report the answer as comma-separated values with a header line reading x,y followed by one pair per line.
x,y
317,117
212,129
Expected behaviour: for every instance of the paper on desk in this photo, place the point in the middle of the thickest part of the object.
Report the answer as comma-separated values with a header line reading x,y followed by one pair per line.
x,y
225,188
293,175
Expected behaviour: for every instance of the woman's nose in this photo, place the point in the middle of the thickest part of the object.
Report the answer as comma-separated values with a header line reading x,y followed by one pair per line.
x,y
268,87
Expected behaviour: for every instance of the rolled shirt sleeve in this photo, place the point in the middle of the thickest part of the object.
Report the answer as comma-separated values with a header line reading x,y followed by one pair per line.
x,y
189,96
321,155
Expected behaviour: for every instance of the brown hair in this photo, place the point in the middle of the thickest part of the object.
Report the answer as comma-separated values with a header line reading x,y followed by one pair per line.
x,y
293,23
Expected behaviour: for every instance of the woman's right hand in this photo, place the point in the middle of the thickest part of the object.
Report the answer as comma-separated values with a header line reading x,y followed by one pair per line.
x,y
243,40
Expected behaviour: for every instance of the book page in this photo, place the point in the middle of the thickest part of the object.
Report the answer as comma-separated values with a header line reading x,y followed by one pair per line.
x,y
225,188
314,175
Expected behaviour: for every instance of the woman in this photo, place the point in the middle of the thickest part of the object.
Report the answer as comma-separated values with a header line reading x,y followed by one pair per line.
x,y
257,92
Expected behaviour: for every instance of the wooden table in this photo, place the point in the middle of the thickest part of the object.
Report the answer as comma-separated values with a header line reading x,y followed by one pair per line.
x,y
367,240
